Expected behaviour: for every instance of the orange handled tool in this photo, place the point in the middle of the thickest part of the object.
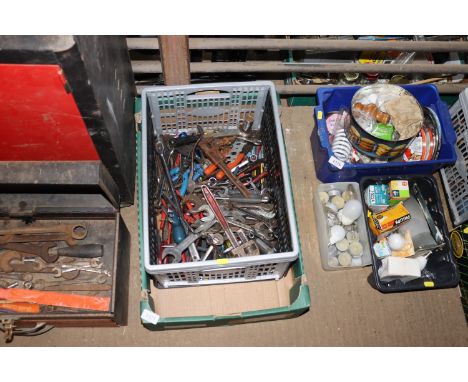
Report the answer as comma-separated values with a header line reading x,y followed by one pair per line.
x,y
20,307
56,299
210,169
210,150
220,174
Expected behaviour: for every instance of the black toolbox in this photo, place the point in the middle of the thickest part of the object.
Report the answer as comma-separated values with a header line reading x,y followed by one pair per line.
x,y
81,176
441,270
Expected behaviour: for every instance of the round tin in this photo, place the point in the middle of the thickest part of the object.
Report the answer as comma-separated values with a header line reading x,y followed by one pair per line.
x,y
351,77
429,136
362,140
424,144
399,79
436,130
372,76
430,144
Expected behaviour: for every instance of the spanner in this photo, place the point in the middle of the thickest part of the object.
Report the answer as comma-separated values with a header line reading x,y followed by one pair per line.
x,y
48,251
50,285
17,276
66,232
176,251
208,216
12,262
261,212
211,151
224,194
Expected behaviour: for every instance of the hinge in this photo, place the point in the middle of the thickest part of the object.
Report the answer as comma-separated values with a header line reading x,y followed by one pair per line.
x,y
9,329
138,121
7,326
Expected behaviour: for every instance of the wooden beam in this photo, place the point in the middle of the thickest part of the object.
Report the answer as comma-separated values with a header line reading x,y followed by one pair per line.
x,y
282,67
175,59
317,45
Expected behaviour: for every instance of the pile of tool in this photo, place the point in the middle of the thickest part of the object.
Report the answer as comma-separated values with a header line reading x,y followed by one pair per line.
x,y
212,198
50,257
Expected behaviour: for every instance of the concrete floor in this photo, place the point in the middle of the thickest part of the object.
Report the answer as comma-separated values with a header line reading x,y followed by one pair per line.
x,y
345,310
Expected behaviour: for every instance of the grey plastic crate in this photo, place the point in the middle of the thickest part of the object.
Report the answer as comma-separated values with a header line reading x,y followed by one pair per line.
x,y
455,177
215,107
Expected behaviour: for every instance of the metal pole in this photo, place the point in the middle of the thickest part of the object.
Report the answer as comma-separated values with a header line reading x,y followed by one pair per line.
x,y
281,67
312,89
318,45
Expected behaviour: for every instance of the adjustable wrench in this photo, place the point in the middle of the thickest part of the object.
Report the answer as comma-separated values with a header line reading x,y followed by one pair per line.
x,y
248,248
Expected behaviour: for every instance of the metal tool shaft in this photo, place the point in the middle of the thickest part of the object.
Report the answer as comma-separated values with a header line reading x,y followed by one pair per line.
x,y
213,155
210,199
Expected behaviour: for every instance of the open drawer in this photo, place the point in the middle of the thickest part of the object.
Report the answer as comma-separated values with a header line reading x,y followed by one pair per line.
x,y
49,197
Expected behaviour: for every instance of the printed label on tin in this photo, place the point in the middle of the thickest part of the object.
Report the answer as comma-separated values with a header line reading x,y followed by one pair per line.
x,y
336,162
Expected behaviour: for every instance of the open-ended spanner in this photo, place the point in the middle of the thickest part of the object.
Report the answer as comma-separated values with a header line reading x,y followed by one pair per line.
x,y
208,216
64,232
176,251
261,212
49,252
224,194
12,262
211,151
43,284
17,276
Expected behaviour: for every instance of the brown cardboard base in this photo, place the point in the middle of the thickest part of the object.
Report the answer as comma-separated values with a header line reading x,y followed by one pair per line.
x,y
345,310
220,300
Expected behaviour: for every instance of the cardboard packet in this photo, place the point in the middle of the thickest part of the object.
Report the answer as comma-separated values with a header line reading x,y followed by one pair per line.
x,y
387,221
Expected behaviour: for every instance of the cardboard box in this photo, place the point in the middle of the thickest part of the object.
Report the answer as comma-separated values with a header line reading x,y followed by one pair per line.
x,y
398,191
225,304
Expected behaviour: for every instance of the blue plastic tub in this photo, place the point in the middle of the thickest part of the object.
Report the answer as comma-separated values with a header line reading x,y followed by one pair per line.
x,y
333,98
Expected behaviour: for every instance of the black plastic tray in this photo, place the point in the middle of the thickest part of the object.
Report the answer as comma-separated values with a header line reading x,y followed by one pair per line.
x,y
441,269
